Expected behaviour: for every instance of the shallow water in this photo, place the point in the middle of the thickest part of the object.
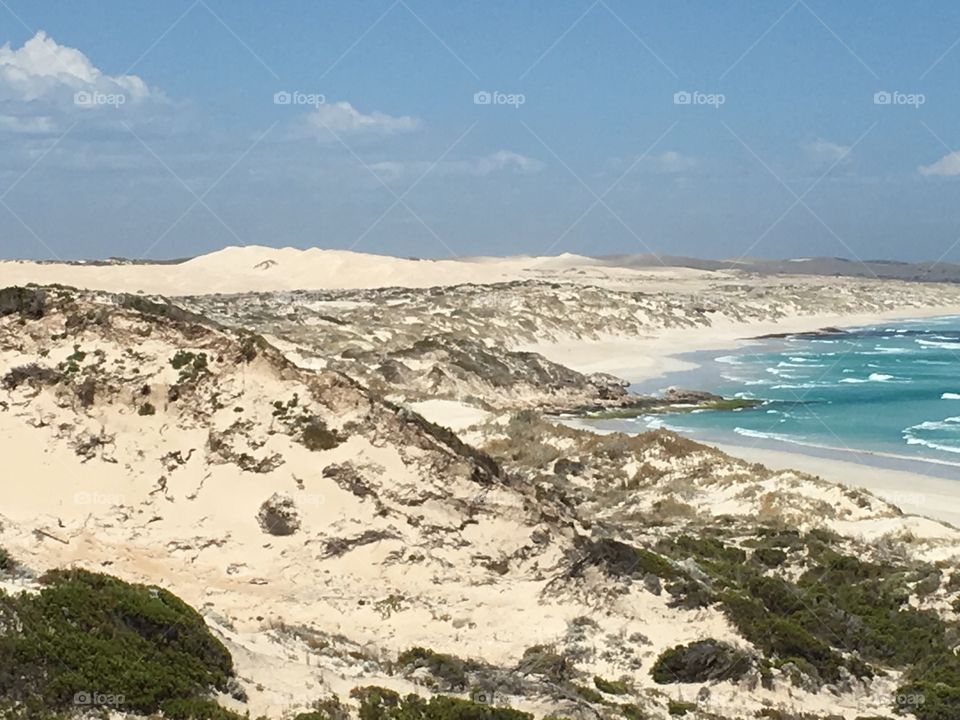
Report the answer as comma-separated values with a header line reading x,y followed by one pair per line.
x,y
891,390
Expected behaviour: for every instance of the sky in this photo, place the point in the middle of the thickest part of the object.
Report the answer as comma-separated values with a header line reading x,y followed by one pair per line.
x,y
432,128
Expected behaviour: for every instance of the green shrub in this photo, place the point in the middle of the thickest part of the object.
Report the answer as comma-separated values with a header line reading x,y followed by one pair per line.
x,y
632,712
191,365
620,559
448,668
87,633
588,693
381,704
328,709
147,409
771,557
701,661
544,660
197,709
612,687
929,701
701,548
316,436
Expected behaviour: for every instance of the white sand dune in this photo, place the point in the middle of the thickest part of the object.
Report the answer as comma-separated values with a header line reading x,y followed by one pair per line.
x,y
257,268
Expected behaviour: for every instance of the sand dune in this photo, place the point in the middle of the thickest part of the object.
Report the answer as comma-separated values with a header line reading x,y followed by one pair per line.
x,y
257,268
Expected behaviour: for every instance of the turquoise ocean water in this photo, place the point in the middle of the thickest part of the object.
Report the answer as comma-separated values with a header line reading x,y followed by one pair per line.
x,y
890,390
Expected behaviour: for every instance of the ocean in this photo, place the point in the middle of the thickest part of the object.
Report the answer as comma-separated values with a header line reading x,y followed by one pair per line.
x,y
882,392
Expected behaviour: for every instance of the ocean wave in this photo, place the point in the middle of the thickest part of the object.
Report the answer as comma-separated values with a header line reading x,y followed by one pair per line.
x,y
932,445
747,432
805,362
947,425
728,360
950,396
938,344
881,350
802,386
783,373
874,377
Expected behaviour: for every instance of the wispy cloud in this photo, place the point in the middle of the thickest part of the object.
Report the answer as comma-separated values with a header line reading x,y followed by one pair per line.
x,y
673,162
500,161
343,118
826,151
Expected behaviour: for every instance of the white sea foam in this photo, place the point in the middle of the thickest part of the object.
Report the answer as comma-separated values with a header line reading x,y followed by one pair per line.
x,y
939,344
873,377
947,424
747,432
950,396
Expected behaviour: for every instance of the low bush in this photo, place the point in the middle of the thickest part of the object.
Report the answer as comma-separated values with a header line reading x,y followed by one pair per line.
x,y
770,557
317,436
381,704
611,687
451,670
701,661
86,634
545,661
622,560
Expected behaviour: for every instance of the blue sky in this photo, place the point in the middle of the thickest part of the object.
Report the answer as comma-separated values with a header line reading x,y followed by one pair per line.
x,y
176,128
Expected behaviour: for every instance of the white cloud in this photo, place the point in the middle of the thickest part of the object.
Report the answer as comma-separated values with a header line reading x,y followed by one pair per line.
x,y
44,70
946,166
674,162
668,162
344,119
827,151
500,161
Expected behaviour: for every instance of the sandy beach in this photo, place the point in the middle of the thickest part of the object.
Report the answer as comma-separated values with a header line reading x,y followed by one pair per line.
x,y
637,359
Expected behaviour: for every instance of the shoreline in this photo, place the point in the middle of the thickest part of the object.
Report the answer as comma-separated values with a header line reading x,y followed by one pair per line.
x,y
649,358
644,360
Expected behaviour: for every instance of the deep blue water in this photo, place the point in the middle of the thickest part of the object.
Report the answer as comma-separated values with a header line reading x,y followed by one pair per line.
x,y
891,389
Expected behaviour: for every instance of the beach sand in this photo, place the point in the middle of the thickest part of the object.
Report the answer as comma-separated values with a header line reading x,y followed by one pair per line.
x,y
914,493
637,359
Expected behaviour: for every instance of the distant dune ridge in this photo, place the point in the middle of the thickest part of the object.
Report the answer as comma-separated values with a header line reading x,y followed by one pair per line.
x,y
257,268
